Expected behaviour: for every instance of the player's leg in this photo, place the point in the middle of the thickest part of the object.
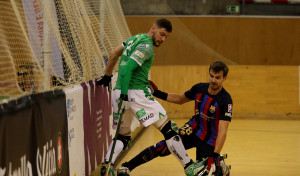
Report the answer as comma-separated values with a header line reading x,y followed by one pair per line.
x,y
160,149
122,140
177,148
148,154
173,140
149,111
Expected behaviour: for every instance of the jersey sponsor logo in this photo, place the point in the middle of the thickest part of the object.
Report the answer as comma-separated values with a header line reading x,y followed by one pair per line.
x,y
228,114
141,113
212,109
142,120
229,107
204,116
147,45
140,54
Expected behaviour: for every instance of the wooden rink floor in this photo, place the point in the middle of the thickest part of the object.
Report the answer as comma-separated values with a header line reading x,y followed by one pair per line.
x,y
254,148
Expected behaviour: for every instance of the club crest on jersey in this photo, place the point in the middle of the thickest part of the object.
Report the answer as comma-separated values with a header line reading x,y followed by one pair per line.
x,y
138,53
212,109
229,107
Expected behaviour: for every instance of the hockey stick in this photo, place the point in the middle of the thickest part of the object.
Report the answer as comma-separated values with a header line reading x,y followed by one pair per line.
x,y
114,142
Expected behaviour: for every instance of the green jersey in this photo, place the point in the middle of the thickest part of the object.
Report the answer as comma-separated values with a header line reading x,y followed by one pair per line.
x,y
139,48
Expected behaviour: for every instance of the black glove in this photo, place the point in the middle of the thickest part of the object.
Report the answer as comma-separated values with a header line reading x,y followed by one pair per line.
x,y
157,93
124,97
185,130
104,80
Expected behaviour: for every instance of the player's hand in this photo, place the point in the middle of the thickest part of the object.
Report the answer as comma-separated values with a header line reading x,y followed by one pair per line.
x,y
157,93
214,165
185,130
123,103
153,87
104,80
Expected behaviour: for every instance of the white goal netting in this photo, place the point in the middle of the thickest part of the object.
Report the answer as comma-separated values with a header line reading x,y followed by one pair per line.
x,y
49,44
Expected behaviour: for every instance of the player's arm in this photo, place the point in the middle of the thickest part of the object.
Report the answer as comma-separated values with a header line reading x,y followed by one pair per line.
x,y
170,97
113,59
226,115
177,98
126,72
222,133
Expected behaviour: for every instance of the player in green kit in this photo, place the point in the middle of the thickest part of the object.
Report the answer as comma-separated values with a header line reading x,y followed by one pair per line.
x,y
132,93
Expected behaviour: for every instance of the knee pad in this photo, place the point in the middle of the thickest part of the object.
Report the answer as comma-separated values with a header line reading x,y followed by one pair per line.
x,y
169,130
125,140
161,148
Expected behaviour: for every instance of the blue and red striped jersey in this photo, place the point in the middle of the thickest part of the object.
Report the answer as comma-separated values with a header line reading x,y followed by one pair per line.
x,y
209,109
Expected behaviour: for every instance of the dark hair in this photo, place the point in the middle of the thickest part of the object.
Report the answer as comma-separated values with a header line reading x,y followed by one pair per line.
x,y
218,66
164,23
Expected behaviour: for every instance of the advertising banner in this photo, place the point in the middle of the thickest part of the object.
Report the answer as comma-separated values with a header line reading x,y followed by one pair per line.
x,y
96,122
74,102
33,136
51,126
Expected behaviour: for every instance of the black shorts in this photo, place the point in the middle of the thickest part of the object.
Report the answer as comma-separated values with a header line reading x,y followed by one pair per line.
x,y
203,149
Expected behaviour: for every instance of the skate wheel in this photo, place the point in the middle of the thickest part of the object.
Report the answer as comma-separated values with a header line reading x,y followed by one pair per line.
x,y
225,155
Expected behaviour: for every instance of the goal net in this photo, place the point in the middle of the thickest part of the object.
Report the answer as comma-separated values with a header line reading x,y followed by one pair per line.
x,y
49,44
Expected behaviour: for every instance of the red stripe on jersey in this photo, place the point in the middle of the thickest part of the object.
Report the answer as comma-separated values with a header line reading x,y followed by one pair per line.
x,y
194,125
197,101
207,105
217,125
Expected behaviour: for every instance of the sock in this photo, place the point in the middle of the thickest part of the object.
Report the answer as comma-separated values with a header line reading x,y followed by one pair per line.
x,y
146,155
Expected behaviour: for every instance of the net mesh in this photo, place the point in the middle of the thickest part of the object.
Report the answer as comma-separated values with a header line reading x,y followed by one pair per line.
x,y
49,44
